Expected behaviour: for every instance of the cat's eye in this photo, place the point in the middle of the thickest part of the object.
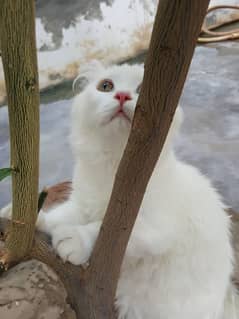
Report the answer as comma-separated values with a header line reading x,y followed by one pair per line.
x,y
105,85
138,88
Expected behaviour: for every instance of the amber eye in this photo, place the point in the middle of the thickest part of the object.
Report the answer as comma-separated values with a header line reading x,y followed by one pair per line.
x,y
138,88
105,85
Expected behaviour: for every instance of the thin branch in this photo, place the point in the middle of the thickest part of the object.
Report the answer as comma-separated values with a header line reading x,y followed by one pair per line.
x,y
17,38
175,32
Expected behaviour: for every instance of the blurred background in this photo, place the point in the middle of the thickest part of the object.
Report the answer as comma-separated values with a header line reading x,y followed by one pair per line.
x,y
70,33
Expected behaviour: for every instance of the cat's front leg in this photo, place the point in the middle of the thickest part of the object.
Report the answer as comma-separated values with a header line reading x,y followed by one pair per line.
x,y
74,243
64,214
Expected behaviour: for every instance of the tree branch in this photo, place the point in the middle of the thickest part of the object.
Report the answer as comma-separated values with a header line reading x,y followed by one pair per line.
x,y
175,32
19,59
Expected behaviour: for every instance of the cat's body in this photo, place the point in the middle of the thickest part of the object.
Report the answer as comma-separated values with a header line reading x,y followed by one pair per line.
x,y
179,258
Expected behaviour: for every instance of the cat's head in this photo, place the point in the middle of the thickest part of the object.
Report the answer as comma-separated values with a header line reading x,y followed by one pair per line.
x,y
103,112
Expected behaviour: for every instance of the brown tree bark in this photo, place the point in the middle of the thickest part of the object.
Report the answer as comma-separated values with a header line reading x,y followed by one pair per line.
x,y
92,291
176,28
17,38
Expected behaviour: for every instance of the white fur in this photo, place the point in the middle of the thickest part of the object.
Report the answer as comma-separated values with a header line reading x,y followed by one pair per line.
x,y
179,258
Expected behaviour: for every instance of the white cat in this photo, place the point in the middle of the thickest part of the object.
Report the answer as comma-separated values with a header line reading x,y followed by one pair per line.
x,y
179,258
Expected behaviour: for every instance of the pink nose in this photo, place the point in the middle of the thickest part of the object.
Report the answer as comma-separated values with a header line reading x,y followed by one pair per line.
x,y
122,97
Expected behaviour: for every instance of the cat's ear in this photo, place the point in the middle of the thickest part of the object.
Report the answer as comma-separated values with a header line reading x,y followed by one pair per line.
x,y
87,73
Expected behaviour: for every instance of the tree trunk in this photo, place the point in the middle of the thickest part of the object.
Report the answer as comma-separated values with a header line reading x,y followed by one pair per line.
x,y
175,32
17,38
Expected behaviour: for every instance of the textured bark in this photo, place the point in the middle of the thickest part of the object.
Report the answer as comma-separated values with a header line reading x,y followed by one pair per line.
x,y
176,28
17,37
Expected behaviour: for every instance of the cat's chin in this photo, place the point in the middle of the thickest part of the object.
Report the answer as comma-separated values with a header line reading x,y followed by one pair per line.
x,y
119,118
120,115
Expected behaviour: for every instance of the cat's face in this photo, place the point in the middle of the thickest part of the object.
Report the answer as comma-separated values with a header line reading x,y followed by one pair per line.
x,y
106,106
111,95
103,111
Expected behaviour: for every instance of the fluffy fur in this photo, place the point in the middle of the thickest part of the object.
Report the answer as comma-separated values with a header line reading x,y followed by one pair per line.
x,y
179,258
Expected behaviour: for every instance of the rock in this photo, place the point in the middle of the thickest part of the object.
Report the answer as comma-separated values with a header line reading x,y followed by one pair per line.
x,y
31,290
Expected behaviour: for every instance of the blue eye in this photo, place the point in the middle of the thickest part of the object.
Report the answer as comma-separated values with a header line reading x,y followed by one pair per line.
x,y
105,85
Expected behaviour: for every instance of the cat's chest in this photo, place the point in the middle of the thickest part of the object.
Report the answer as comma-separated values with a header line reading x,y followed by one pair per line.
x,y
91,191
92,205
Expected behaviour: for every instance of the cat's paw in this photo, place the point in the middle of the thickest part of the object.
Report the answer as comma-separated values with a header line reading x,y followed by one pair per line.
x,y
6,212
72,243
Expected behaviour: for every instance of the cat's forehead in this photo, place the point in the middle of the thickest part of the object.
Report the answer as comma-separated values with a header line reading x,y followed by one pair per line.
x,y
128,74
